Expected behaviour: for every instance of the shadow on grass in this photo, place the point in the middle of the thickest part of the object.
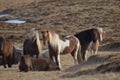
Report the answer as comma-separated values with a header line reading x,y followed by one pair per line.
x,y
80,73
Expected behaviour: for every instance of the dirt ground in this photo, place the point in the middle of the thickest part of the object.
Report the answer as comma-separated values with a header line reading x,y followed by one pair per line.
x,y
65,17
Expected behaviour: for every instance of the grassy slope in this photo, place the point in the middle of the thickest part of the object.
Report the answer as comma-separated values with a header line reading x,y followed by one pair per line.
x,y
69,17
66,17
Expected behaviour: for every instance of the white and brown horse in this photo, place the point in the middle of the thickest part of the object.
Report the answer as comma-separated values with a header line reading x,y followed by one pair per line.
x,y
32,45
89,40
57,46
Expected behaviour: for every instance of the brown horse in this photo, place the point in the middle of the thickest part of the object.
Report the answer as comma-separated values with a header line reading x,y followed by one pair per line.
x,y
57,46
6,50
32,46
89,40
28,63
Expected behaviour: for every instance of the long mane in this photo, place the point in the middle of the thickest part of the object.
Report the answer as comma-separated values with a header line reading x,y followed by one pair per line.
x,y
53,38
38,42
35,36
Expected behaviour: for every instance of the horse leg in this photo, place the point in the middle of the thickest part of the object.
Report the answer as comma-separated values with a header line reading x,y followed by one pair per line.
x,y
74,55
97,45
79,56
37,56
51,57
91,51
57,59
9,59
83,52
95,51
4,61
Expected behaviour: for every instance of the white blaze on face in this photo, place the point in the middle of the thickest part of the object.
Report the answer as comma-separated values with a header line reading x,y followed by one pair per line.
x,y
101,38
100,32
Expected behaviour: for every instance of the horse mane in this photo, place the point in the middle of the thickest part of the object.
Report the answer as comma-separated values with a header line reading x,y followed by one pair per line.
x,y
53,38
38,42
34,35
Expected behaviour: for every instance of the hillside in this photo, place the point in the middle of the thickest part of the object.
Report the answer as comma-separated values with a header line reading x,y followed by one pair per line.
x,y
67,17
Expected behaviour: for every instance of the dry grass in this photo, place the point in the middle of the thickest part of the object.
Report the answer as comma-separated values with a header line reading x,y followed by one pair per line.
x,y
65,17
85,71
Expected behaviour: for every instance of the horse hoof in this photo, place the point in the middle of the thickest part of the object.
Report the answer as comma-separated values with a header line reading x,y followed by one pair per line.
x,y
5,67
9,66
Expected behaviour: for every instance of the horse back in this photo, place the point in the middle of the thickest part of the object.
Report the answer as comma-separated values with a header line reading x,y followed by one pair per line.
x,y
72,44
88,35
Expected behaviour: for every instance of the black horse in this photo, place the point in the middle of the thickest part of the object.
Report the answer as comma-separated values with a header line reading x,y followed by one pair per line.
x,y
32,45
89,37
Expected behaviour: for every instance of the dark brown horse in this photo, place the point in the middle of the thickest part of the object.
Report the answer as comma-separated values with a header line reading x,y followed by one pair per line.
x,y
32,46
28,63
89,40
57,46
6,50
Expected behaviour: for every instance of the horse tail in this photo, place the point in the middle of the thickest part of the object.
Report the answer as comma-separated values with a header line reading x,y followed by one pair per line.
x,y
79,55
24,47
38,42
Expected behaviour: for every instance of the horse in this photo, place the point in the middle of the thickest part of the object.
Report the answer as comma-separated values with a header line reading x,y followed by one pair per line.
x,y
28,63
32,45
6,50
89,40
57,46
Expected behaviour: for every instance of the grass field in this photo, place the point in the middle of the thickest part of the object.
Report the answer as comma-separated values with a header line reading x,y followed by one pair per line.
x,y
65,17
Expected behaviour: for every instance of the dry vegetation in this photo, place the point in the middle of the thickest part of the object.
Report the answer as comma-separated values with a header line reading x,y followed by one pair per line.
x,y
65,17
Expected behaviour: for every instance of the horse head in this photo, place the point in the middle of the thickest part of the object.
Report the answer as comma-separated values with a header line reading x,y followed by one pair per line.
x,y
97,34
45,36
100,33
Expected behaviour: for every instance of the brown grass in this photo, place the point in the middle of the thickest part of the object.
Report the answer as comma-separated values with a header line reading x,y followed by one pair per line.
x,y
65,17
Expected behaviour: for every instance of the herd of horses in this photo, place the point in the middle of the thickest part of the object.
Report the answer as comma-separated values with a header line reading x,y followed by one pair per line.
x,y
76,45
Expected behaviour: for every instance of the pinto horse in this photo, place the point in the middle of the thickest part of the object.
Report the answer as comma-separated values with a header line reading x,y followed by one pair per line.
x,y
32,46
89,40
57,46
6,50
